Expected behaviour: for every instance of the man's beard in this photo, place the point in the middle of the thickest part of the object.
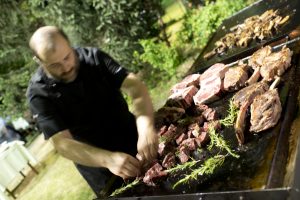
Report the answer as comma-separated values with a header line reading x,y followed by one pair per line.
x,y
74,70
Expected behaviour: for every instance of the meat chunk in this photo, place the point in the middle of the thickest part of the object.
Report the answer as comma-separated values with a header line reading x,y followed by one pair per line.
x,y
184,154
235,78
216,70
154,173
248,93
169,160
276,64
210,114
211,84
190,143
190,80
209,92
258,57
265,111
182,98
167,115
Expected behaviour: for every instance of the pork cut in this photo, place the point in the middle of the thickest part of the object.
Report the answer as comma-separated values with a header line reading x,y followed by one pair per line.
x,y
257,58
190,80
243,99
276,64
182,98
216,70
265,111
209,92
235,78
154,173
211,84
247,94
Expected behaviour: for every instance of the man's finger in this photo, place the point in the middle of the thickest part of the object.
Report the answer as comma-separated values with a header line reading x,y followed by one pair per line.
x,y
153,152
131,171
139,157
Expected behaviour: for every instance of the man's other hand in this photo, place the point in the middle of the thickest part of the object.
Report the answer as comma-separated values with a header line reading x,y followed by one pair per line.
x,y
147,146
123,165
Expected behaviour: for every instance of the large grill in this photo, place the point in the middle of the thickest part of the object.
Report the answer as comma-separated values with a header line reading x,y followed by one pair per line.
x,y
272,179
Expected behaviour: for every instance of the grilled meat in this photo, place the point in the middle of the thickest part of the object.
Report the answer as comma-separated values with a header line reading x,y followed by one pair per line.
x,y
243,100
248,93
265,111
255,27
258,57
211,84
235,78
209,92
276,64
182,98
190,80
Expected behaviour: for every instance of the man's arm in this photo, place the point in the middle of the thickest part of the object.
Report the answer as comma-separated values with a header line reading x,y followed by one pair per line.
x,y
143,111
118,163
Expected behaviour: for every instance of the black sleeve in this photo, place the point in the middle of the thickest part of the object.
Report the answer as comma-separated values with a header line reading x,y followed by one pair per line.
x,y
119,73
48,120
95,57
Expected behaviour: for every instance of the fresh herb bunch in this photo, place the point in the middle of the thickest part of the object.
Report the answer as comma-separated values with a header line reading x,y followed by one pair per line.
x,y
232,115
181,167
218,141
125,187
208,167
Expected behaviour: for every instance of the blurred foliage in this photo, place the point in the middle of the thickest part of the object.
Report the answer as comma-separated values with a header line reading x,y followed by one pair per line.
x,y
13,87
199,24
115,26
16,24
160,56
123,28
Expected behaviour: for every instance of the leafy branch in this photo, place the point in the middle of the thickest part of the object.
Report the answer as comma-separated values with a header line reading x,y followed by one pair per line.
x,y
126,187
183,166
232,115
208,167
218,141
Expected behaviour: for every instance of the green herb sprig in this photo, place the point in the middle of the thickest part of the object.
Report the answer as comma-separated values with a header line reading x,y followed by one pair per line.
x,y
208,167
218,141
232,115
183,166
126,187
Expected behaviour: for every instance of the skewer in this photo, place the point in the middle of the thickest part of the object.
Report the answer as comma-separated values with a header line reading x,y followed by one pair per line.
x,y
273,49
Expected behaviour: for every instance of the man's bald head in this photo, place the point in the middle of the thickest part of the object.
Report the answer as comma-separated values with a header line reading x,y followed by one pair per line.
x,y
43,40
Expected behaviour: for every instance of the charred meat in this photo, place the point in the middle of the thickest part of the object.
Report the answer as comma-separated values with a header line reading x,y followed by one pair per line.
x,y
257,58
265,111
247,94
235,78
255,27
190,80
276,64
211,84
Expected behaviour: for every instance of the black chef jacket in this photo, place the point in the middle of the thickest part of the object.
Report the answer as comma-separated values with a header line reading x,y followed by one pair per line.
x,y
91,107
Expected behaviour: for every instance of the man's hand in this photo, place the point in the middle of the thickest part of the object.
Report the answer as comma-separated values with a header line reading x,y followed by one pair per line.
x,y
123,165
120,164
147,145
143,110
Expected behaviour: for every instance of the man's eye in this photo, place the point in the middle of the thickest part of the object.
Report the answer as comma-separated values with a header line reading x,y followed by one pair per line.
x,y
66,58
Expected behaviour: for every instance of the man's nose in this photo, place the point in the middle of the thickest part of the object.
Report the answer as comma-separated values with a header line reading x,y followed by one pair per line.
x,y
67,67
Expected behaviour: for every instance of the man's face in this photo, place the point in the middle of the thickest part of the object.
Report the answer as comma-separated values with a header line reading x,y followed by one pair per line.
x,y
61,64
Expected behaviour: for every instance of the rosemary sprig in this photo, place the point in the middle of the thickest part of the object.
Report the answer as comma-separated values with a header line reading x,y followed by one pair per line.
x,y
208,167
126,187
232,115
183,166
218,141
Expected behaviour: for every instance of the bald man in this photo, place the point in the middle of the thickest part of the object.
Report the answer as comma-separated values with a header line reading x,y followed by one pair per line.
x,y
75,96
